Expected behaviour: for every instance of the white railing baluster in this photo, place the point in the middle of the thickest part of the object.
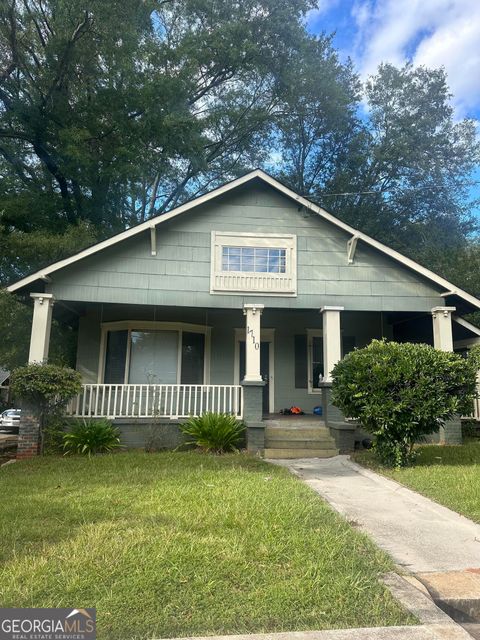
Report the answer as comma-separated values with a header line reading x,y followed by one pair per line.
x,y
184,395
177,400
84,399
161,400
115,402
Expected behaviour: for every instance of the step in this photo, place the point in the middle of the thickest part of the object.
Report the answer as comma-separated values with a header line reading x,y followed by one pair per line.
x,y
307,443
296,424
297,434
300,453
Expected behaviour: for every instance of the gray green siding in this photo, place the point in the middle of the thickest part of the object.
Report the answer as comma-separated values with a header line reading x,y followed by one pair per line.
x,y
179,275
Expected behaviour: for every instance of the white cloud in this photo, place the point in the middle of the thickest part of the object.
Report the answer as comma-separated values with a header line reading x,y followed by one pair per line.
x,y
323,7
430,32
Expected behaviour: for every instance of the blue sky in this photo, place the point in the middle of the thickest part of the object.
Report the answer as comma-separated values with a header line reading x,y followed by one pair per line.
x,y
430,32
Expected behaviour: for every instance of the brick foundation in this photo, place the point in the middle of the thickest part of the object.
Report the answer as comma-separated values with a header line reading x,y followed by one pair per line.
x,y
28,436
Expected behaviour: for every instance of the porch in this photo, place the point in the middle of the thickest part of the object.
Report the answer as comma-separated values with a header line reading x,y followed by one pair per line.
x,y
145,364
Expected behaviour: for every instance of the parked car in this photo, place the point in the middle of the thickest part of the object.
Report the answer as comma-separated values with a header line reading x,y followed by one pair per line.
x,y
10,420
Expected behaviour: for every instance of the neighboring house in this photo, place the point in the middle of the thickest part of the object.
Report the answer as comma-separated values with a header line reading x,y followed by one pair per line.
x,y
241,300
4,385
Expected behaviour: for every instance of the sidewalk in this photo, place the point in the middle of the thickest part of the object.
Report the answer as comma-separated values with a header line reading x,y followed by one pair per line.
x,y
419,534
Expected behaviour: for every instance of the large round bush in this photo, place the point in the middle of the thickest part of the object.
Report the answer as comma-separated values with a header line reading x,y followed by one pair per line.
x,y
399,392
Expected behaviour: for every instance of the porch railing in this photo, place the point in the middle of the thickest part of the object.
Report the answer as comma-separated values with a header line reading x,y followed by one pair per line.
x,y
156,400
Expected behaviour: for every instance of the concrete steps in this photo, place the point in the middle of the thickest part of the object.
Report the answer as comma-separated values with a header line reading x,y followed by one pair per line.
x,y
298,438
280,454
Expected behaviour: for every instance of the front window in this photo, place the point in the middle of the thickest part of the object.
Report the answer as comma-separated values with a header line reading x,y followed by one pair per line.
x,y
263,263
154,356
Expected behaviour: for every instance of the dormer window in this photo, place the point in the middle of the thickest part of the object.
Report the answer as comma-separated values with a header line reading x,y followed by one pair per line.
x,y
254,259
253,263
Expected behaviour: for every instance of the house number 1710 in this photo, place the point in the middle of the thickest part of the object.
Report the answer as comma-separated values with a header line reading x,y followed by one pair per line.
x,y
254,340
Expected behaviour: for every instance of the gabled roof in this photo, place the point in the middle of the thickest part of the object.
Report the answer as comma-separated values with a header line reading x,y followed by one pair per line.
x,y
449,288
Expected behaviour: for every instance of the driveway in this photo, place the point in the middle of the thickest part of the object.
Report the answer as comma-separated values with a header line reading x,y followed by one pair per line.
x,y
419,534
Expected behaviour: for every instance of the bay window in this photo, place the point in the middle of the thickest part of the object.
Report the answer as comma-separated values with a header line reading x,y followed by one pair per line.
x,y
158,354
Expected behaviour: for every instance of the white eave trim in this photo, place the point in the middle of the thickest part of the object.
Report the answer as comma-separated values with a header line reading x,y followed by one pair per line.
x,y
302,202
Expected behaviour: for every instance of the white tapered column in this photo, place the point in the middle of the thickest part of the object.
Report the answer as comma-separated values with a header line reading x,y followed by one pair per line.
x,y
442,328
252,313
332,339
41,325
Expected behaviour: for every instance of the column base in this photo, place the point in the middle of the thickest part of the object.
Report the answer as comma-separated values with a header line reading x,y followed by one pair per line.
x,y
451,432
343,432
252,415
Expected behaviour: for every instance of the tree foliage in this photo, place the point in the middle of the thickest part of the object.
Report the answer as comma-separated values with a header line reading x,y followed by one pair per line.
x,y
109,111
404,163
112,112
400,392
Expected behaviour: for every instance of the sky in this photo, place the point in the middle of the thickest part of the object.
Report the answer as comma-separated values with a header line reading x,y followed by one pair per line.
x,y
434,33
430,32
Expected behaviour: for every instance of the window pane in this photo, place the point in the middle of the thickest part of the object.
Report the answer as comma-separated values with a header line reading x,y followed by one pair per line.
x,y
317,361
115,357
254,259
154,357
193,353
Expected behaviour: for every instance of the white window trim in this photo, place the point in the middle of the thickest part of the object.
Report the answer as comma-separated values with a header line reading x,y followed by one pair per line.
x,y
312,333
132,325
253,283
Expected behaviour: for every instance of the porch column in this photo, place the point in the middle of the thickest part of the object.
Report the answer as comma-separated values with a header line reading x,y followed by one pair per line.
x,y
442,328
253,313
332,339
451,431
41,325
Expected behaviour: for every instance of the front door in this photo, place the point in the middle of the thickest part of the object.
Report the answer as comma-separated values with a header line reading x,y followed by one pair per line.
x,y
264,369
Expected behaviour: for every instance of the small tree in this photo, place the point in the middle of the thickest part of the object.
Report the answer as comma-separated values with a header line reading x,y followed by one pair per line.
x,y
45,389
399,392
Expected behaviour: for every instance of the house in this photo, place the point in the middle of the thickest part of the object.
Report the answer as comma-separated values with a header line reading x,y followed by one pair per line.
x,y
240,301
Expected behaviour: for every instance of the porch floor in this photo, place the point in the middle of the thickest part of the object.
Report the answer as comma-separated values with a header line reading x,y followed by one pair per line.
x,y
293,420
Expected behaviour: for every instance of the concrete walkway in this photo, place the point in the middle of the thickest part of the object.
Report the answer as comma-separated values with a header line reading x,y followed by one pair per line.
x,y
419,534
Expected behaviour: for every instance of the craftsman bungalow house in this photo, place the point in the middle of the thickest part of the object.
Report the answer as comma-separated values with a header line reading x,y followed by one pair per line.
x,y
241,301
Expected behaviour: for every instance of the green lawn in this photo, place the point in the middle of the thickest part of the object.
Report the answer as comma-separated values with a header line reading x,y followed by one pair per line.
x,y
448,474
176,544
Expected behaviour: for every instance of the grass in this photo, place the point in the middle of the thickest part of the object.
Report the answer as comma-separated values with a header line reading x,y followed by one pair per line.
x,y
176,544
449,475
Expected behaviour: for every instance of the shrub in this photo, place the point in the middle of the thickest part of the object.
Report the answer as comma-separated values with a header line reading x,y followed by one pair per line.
x,y
399,392
45,389
214,432
89,437
53,431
